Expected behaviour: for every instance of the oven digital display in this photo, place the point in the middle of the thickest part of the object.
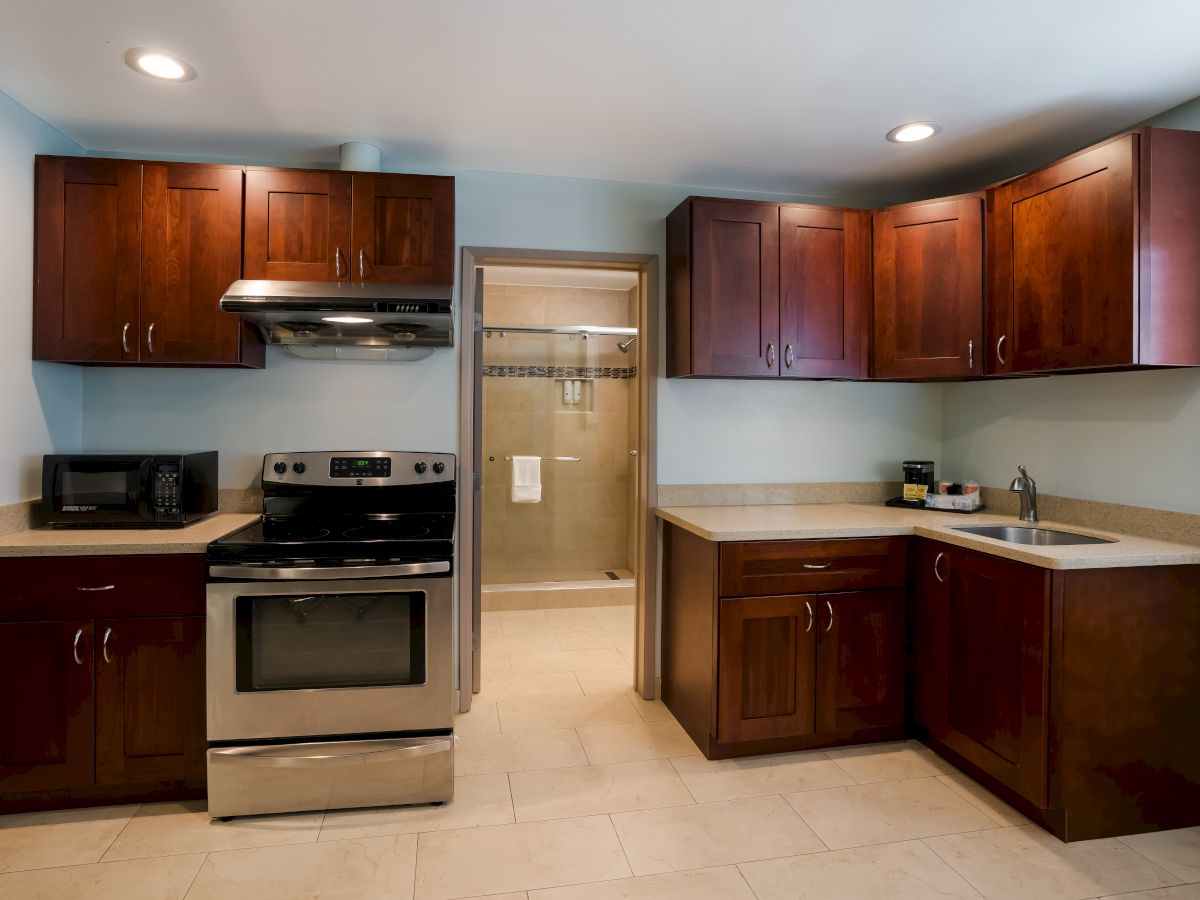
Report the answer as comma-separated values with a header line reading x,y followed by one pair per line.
x,y
360,467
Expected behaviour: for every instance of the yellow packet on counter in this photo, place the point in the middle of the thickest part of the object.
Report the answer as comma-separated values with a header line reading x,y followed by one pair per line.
x,y
915,491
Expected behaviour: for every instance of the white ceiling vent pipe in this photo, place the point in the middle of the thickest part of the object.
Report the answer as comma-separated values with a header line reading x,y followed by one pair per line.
x,y
357,156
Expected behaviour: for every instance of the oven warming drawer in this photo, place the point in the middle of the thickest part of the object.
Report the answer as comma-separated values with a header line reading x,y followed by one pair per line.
x,y
270,778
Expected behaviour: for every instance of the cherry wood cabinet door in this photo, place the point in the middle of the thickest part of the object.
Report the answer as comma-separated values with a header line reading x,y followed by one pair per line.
x,y
929,613
150,700
860,660
87,258
823,291
766,667
997,713
1063,244
403,229
46,706
192,252
297,225
735,288
928,297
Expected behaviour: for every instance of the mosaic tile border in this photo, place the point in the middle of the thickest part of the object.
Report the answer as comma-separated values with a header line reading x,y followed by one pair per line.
x,y
559,372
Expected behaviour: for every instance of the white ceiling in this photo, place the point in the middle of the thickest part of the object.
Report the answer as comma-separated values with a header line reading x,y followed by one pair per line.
x,y
786,96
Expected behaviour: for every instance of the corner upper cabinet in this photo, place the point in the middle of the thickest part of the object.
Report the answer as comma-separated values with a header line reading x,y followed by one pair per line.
x,y
928,289
1094,260
403,229
297,225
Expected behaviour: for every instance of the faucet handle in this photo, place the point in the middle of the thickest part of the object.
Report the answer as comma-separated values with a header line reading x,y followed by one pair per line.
x,y
1025,474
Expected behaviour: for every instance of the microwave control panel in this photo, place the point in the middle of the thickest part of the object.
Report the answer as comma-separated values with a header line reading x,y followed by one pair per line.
x,y
166,491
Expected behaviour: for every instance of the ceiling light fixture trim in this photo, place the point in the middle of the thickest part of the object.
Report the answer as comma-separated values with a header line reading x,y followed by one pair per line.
x,y
911,132
158,65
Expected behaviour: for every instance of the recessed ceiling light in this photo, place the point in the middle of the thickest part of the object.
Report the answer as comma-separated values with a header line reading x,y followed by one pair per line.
x,y
157,64
347,320
913,131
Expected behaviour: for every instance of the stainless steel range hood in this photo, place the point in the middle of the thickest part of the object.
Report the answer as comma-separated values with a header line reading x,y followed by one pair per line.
x,y
380,318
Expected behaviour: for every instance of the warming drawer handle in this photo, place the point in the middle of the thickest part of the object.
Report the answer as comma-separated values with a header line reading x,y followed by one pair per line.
x,y
326,573
382,752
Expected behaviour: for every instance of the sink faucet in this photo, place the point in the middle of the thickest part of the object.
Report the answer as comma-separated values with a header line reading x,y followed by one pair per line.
x,y
1024,485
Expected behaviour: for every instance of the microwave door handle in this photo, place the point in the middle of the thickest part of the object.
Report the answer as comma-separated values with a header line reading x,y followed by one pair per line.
x,y
380,752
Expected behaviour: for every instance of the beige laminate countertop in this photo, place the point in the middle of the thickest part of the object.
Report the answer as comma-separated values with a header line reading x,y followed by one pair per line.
x,y
193,538
847,520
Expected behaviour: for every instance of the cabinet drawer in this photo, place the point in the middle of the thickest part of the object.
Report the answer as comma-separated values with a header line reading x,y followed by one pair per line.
x,y
758,568
58,587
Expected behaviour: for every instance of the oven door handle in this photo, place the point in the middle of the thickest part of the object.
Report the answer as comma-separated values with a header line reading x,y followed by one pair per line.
x,y
325,573
378,752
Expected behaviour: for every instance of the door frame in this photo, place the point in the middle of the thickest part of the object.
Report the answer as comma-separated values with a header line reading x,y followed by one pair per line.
x,y
470,438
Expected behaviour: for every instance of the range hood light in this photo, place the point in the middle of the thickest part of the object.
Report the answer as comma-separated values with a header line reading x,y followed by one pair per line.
x,y
347,320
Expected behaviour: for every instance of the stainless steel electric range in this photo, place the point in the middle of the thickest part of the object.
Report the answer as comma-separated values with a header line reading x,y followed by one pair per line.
x,y
330,637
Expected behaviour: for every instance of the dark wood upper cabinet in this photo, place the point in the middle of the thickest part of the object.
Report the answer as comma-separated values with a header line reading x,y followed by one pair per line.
x,y
860,660
928,289
87,259
824,290
1094,259
403,229
297,225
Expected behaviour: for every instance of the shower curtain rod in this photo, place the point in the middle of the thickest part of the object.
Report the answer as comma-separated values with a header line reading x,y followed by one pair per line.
x,y
560,329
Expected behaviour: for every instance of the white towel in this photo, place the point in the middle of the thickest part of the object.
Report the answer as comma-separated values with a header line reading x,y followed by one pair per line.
x,y
526,479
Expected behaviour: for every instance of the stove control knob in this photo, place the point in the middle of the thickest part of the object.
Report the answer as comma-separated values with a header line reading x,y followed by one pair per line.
x,y
298,468
439,468
280,468
420,468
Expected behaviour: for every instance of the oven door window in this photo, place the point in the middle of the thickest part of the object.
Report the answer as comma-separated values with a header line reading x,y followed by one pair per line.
x,y
309,641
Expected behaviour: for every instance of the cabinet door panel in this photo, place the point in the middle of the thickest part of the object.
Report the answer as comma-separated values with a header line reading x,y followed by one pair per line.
x,y
1065,263
403,229
46,708
928,299
735,288
766,667
192,253
822,291
929,613
860,660
998,661
297,225
87,260
150,700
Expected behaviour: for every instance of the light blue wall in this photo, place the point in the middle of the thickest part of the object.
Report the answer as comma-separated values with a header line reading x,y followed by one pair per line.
x,y
40,403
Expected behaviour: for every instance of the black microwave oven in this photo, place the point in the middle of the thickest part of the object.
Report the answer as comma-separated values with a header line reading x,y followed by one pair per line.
x,y
128,490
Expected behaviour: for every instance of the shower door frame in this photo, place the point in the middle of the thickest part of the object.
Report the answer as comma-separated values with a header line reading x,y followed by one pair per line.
x,y
470,432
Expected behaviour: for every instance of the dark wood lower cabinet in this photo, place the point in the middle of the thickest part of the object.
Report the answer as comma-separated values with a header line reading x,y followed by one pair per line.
x,y
860,661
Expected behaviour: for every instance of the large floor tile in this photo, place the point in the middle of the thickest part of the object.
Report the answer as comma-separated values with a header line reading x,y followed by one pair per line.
x,y
649,710
480,754
595,640
639,740
713,834
165,878
563,621
567,661
554,713
522,857
889,762
724,883
730,779
593,790
607,681
887,811
980,797
481,719
1176,851
478,800
1029,863
525,686
1179,892
378,868
902,871
161,829
512,644
493,664
67,837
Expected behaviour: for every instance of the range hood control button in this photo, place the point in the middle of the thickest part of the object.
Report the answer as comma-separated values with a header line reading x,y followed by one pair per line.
x,y
420,468
280,468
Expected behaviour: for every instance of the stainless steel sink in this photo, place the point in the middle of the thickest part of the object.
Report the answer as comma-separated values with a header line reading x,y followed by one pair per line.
x,y
1027,534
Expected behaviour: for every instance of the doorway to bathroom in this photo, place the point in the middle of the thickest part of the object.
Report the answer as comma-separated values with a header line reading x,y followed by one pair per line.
x,y
556,540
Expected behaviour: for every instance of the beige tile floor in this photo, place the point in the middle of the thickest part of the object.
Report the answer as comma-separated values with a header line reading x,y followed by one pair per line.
x,y
571,787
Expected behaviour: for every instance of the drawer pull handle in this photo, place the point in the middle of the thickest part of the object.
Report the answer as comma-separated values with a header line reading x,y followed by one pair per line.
x,y
815,566
829,606
936,573
808,607
104,646
75,647
103,587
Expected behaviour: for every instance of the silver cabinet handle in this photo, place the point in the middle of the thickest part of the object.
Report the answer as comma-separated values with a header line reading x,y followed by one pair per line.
x,y
104,645
971,355
125,337
770,355
337,262
150,338
1000,349
808,607
362,264
936,573
788,356
103,587
75,647
829,606
817,566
